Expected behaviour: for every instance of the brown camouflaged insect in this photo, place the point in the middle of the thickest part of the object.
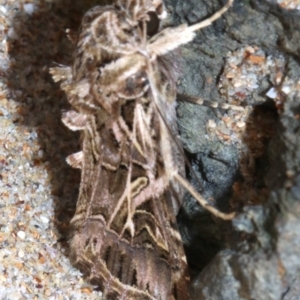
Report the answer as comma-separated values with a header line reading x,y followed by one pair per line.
x,y
122,88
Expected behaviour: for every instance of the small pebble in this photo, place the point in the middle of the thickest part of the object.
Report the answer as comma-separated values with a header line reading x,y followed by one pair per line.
x,y
240,124
44,219
29,8
12,34
21,253
21,234
272,93
286,89
211,124
3,9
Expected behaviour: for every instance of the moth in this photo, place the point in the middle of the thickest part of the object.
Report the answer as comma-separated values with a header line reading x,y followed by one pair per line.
x,y
122,88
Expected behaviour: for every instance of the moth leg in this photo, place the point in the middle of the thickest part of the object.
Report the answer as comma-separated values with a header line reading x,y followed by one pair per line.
x,y
74,120
200,101
75,160
61,73
91,128
201,200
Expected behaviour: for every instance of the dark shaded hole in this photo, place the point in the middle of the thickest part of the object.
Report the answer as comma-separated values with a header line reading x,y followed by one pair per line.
x,y
251,188
203,237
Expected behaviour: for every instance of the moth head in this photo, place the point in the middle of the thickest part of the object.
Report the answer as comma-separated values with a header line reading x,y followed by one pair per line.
x,y
139,10
144,13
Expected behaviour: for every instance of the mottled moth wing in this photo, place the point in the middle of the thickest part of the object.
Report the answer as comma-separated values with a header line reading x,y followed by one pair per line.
x,y
124,234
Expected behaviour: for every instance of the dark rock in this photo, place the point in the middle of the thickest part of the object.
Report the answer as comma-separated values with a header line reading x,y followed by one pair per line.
x,y
257,255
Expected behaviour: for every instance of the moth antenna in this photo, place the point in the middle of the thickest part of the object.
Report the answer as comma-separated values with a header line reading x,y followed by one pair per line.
x,y
213,104
171,38
204,203
201,200
213,18
176,142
